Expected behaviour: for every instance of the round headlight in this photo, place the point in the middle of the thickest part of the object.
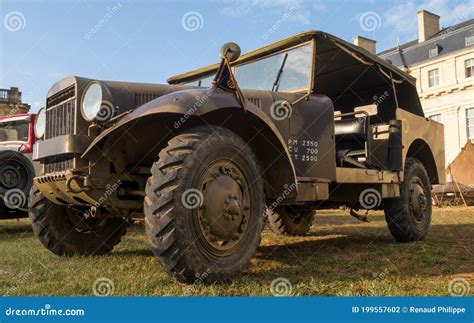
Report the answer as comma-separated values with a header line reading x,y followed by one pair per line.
x,y
40,123
92,102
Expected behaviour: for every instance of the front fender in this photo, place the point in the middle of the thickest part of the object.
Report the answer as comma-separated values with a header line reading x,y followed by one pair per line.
x,y
195,102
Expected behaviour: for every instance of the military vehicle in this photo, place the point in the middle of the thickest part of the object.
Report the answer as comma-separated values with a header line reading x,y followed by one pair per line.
x,y
308,122
16,168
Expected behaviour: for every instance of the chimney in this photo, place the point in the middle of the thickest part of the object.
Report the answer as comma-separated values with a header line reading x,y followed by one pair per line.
x,y
14,95
428,25
365,43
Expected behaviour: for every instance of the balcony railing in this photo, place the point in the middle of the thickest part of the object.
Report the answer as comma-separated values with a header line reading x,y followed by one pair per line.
x,y
11,95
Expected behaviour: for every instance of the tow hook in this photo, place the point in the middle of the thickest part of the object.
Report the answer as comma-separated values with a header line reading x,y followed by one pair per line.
x,y
359,217
80,182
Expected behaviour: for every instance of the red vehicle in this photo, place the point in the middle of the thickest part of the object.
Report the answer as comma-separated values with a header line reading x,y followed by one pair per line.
x,y
16,168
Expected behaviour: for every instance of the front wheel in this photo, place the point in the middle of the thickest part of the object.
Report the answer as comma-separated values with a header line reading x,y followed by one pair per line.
x,y
66,232
409,216
204,204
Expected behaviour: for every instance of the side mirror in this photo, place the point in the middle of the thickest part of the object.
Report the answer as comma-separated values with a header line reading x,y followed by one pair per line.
x,y
231,51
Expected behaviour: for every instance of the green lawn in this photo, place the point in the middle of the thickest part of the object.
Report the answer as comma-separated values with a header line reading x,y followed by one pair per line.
x,y
341,256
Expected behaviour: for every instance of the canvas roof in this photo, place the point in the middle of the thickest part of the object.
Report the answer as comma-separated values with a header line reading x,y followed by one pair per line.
x,y
462,167
348,74
288,42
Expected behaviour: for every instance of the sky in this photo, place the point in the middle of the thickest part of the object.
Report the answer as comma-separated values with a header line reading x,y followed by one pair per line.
x,y
42,41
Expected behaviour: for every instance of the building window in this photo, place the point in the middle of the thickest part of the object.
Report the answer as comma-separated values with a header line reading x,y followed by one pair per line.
x,y
436,117
433,52
470,123
469,67
469,41
433,77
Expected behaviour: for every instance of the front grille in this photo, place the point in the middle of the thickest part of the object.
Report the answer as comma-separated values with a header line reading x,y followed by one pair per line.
x,y
59,163
60,113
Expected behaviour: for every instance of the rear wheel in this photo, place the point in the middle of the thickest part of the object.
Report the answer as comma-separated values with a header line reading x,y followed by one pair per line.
x,y
66,232
409,216
290,220
16,176
204,204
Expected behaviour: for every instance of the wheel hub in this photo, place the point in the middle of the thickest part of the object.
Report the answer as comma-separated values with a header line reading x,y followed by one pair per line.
x,y
223,207
418,200
10,177
223,216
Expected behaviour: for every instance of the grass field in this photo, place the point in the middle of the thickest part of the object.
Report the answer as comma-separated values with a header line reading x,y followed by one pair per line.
x,y
341,256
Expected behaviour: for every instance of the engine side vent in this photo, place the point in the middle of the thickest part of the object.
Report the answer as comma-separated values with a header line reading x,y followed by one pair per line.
x,y
142,98
255,101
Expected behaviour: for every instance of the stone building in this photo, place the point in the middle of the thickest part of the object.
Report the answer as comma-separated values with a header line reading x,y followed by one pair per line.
x,y
442,61
10,102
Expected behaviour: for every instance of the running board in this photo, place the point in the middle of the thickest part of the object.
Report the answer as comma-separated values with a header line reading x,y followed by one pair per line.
x,y
312,189
366,176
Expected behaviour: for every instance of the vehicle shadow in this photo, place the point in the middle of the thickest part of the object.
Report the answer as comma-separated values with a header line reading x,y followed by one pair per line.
x,y
142,252
14,227
343,253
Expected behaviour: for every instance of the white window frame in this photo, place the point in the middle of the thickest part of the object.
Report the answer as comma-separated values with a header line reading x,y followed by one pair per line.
x,y
469,41
470,124
435,77
433,52
471,62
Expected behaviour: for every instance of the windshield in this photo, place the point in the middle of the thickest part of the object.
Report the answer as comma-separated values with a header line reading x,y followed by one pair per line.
x,y
287,71
16,130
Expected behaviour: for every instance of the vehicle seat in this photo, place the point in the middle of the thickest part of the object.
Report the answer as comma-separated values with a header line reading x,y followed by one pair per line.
x,y
351,137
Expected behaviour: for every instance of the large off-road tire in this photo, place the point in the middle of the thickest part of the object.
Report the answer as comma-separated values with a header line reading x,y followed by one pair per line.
x,y
65,231
289,221
16,178
204,205
409,216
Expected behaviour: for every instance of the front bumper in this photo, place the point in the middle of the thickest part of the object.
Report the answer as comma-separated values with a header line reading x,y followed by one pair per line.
x,y
66,144
62,188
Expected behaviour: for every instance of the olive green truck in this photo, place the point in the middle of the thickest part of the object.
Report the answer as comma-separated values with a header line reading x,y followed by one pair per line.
x,y
309,122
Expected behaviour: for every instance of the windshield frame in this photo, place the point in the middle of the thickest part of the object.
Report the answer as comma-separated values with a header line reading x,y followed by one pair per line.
x,y
308,89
